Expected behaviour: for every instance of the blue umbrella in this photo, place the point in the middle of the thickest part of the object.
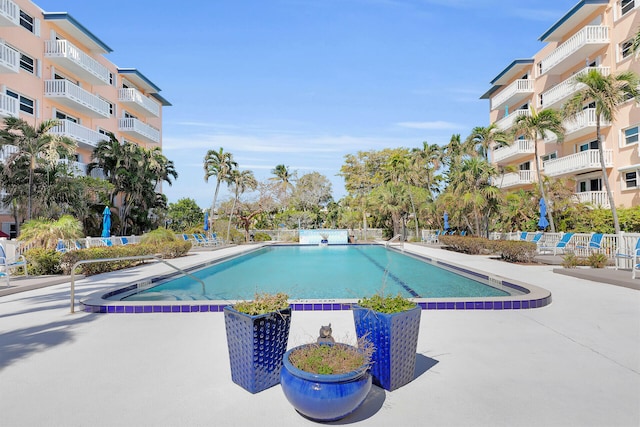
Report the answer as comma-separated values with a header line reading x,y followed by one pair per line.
x,y
446,221
206,221
543,222
106,222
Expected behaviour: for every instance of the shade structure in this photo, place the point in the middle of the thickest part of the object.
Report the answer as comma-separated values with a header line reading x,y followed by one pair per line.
x,y
446,221
106,222
206,221
543,222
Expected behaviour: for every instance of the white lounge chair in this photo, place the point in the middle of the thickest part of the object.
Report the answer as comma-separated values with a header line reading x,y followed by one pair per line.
x,y
560,246
8,264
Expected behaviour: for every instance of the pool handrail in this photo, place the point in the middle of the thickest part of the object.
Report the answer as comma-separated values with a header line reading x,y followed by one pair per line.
x,y
91,261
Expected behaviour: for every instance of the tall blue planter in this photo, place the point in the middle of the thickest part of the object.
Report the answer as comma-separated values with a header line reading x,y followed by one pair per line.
x,y
395,337
256,347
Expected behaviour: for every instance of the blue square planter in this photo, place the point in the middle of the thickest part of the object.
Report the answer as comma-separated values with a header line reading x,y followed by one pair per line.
x,y
256,347
395,337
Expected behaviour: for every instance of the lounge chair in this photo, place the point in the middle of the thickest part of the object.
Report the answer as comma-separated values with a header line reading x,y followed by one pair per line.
x,y
200,240
61,247
536,238
595,243
7,264
107,241
560,246
623,254
524,235
124,240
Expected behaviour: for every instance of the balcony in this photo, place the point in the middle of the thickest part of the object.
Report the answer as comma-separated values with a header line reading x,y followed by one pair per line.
x,y
8,106
76,168
138,129
515,93
73,96
595,198
583,124
582,162
138,102
557,95
7,151
83,135
515,179
507,122
68,56
9,59
520,148
9,14
581,45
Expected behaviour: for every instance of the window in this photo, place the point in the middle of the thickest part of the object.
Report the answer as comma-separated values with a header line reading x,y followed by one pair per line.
x,y
26,21
631,135
111,81
27,63
550,156
111,106
64,116
626,49
128,115
590,185
631,179
626,6
27,105
525,166
593,145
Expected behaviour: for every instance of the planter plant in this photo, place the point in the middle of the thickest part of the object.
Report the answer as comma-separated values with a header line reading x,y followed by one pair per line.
x,y
392,323
327,381
257,338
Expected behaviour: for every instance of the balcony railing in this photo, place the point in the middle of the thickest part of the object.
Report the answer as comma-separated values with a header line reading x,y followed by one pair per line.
x,y
137,101
516,91
595,198
80,133
8,106
519,148
9,13
66,54
76,168
581,44
584,161
583,122
508,121
136,127
554,97
7,151
74,96
9,59
515,179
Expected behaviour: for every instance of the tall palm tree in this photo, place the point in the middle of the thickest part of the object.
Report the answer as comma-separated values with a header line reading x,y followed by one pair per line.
x,y
607,92
482,139
635,46
37,144
218,164
534,127
284,177
242,181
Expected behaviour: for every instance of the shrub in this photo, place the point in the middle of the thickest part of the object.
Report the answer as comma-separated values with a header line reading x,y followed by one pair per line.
x,y
261,237
468,245
570,260
41,262
597,260
263,303
158,236
514,250
386,303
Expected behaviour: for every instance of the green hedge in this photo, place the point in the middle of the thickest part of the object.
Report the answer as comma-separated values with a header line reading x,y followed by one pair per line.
x,y
43,262
508,250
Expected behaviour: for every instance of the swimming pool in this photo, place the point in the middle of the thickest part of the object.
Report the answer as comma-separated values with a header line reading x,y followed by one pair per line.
x,y
378,268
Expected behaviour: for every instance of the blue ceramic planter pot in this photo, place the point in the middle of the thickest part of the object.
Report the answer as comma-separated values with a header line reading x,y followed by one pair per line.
x,y
256,346
395,337
324,397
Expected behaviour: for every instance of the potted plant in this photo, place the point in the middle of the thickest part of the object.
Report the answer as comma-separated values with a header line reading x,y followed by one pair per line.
x,y
327,381
392,324
257,338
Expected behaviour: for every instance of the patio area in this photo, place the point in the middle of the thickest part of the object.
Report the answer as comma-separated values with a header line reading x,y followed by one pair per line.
x,y
573,362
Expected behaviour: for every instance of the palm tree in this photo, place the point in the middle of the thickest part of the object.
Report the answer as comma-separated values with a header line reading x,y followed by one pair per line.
x,y
534,127
607,92
283,176
37,144
242,181
635,46
218,164
482,139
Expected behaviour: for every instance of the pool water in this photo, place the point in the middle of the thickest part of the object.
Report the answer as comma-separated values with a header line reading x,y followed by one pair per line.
x,y
315,272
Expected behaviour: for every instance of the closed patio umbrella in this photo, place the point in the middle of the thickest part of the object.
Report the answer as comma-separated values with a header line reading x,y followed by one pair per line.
x,y
446,221
206,221
106,222
543,222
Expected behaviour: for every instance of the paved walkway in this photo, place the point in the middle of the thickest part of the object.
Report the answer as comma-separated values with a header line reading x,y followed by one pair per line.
x,y
575,362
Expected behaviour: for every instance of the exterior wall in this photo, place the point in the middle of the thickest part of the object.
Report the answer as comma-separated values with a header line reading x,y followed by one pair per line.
x,y
547,83
35,86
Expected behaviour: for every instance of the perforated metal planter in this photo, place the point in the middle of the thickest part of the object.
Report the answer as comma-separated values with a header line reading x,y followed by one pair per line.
x,y
256,347
395,337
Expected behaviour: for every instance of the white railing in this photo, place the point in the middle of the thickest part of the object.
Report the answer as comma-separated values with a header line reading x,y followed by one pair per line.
x,y
584,119
568,87
135,125
522,86
76,168
595,198
9,13
588,159
78,132
136,97
519,146
508,121
8,106
515,178
66,49
9,58
6,151
73,92
591,34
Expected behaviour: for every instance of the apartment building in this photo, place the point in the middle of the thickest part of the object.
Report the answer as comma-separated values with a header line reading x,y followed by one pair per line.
x,y
52,67
593,34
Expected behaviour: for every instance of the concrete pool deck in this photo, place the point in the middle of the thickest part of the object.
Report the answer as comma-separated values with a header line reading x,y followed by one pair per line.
x,y
573,362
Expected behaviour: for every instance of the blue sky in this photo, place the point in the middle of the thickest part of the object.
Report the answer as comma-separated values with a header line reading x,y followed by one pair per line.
x,y
305,82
